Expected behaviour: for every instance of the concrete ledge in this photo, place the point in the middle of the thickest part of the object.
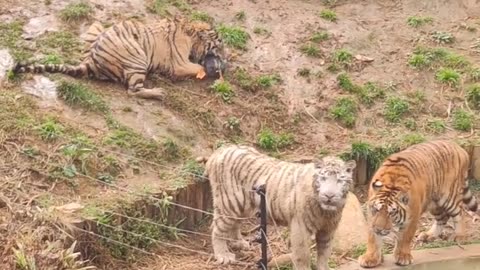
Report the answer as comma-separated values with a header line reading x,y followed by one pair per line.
x,y
423,256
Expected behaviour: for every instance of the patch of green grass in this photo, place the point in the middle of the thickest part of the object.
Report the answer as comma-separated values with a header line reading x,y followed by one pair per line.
x,y
328,15
241,15
51,59
473,95
310,50
192,169
357,251
268,80
162,7
395,108
474,74
268,140
455,61
233,36
224,89
373,155
417,96
76,11
261,31
411,139
22,260
50,129
78,94
448,76
11,38
436,57
436,126
463,120
201,16
370,92
417,21
443,37
67,42
251,83
345,110
345,83
342,57
319,36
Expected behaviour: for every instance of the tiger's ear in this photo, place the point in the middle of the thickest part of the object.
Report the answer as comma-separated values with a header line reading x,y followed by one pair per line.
x,y
350,165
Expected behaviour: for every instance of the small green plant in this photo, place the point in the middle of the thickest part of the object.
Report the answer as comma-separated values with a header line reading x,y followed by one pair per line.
x,y
473,96
474,74
395,108
67,42
224,89
304,72
201,16
343,57
455,61
370,92
233,36
76,11
50,130
22,260
193,170
328,15
436,126
171,150
345,110
261,31
78,94
463,120
411,139
268,140
161,7
319,36
50,59
417,21
426,57
443,37
11,38
268,80
241,16
311,50
346,83
448,76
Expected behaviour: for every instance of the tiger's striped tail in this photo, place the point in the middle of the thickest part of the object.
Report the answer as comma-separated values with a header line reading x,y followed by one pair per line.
x,y
74,71
468,199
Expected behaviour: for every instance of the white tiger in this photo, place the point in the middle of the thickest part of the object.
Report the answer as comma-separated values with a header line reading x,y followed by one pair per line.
x,y
309,198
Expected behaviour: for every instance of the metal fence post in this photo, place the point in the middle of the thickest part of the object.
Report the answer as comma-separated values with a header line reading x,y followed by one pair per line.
x,y
262,238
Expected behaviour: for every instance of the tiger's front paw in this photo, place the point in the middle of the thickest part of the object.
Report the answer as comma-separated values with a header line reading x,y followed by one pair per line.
x,y
225,258
403,259
369,260
201,74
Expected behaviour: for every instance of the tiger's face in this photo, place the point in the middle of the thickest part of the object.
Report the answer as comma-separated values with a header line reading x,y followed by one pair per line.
x,y
209,49
332,182
388,208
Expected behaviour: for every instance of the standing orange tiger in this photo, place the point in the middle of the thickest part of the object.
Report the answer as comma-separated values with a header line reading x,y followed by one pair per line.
x,y
430,176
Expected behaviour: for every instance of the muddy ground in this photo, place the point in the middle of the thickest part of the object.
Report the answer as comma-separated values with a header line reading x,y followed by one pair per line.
x,y
377,40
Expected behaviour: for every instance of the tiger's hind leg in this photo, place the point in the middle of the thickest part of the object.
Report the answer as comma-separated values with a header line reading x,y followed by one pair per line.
x,y
136,86
441,219
223,228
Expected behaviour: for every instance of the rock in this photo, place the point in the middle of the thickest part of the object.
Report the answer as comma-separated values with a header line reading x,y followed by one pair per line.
x,y
43,88
352,230
6,64
40,25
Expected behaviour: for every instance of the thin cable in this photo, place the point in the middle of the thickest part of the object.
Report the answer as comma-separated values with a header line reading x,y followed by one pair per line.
x,y
118,242
154,240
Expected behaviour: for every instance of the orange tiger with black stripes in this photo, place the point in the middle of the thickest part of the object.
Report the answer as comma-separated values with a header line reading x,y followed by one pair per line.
x,y
129,51
309,198
430,176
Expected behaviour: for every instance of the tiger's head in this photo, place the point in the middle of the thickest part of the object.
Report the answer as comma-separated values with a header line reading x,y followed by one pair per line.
x,y
388,202
332,181
207,48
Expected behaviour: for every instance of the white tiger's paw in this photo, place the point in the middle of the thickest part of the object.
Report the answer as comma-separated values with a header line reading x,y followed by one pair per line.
x,y
240,245
225,258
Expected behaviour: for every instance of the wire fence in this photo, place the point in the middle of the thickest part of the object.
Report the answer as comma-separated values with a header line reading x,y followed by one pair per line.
x,y
143,195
